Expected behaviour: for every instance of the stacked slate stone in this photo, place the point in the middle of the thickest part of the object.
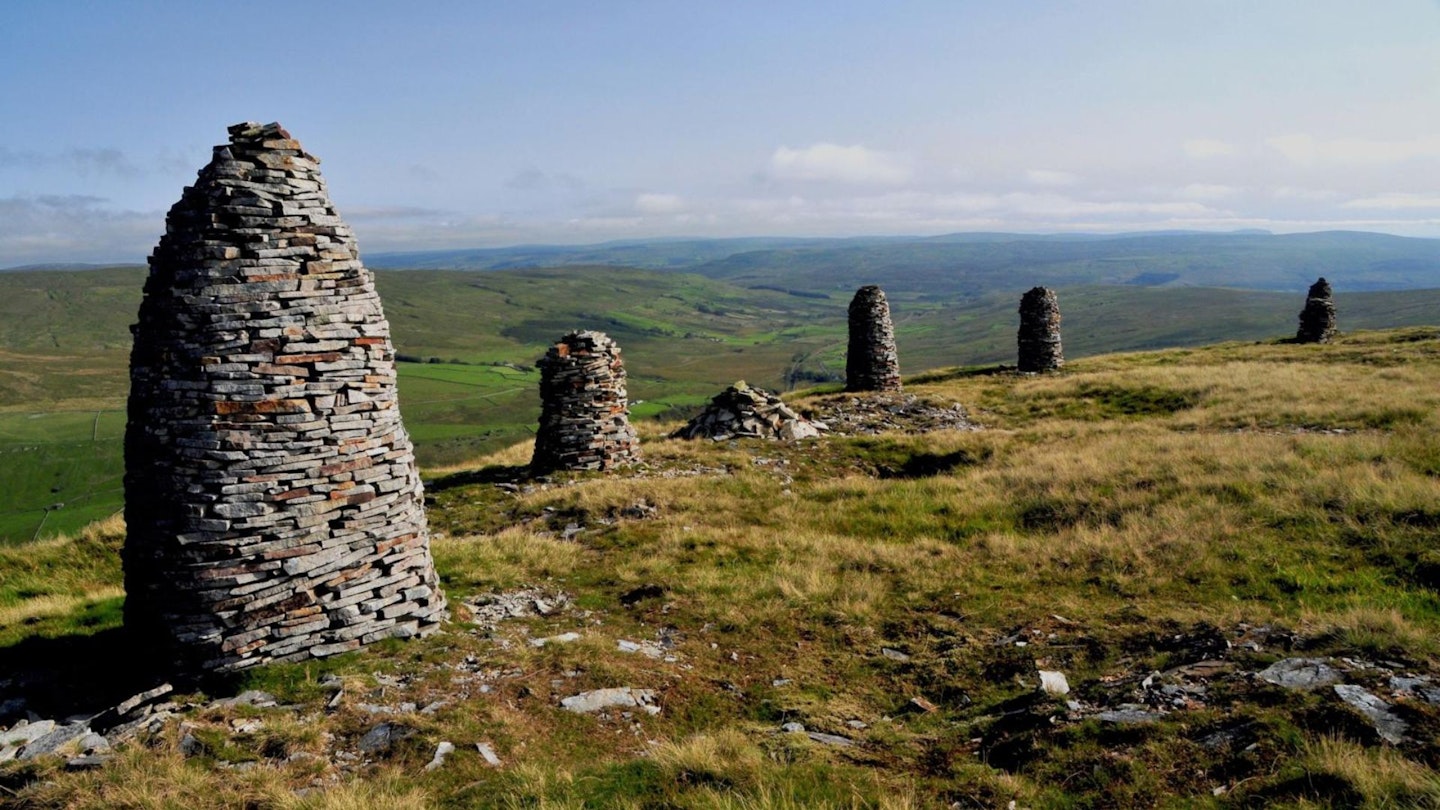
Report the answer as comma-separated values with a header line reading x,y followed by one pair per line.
x,y
871,362
272,500
584,414
744,412
1317,319
1039,338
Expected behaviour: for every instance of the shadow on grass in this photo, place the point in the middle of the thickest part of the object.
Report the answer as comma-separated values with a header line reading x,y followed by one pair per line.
x,y
494,474
965,373
82,674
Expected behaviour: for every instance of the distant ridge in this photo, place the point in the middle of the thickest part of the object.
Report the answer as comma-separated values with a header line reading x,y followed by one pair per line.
x,y
973,263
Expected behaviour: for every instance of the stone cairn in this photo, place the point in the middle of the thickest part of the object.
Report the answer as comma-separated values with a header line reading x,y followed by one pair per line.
x,y
271,495
1317,319
871,362
1039,337
584,414
744,412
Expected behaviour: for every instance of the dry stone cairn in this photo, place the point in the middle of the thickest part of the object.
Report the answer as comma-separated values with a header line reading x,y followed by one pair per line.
x,y
1039,337
745,412
871,362
584,413
271,495
1317,319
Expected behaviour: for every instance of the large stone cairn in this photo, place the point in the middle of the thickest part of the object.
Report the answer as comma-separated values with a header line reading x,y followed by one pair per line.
x,y
1317,319
1039,338
272,500
744,412
871,362
584,414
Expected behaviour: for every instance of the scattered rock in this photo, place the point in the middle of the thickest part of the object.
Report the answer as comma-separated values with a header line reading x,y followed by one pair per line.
x,y
24,732
869,414
250,697
487,752
441,751
58,738
621,697
830,739
88,762
383,737
1127,714
1300,673
793,728
1054,683
191,746
893,654
563,638
649,649
488,610
1389,726
923,705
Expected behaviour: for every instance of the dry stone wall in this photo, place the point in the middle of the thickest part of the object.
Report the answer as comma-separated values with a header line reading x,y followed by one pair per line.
x,y
871,362
1039,337
272,500
584,413
1317,319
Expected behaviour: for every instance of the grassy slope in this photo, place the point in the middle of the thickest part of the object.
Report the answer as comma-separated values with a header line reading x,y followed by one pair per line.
x,y
1110,516
64,345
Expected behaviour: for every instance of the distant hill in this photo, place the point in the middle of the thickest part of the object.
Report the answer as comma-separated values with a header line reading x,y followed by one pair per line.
x,y
972,264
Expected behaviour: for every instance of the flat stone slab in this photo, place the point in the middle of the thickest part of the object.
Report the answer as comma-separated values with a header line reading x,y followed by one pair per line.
x,y
1301,673
620,697
1390,727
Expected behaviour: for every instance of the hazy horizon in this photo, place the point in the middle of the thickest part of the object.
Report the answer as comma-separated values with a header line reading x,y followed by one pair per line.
x,y
455,126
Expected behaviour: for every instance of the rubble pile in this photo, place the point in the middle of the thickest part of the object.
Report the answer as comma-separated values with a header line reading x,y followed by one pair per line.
x,y
744,412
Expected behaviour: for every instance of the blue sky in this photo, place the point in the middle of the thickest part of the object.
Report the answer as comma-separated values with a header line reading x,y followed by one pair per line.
x,y
445,125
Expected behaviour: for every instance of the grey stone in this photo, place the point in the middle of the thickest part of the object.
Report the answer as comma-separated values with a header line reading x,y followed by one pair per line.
x,y
487,752
383,737
1387,724
54,741
1300,673
23,732
441,751
1127,715
621,697
830,739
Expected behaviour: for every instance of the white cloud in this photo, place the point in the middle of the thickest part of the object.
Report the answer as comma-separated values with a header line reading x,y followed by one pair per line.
x,y
1207,191
1048,177
1395,201
844,164
1207,148
1307,149
659,203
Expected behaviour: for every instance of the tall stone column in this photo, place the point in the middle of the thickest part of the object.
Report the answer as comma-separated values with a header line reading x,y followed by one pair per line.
x,y
273,505
871,362
584,413
1317,319
1039,338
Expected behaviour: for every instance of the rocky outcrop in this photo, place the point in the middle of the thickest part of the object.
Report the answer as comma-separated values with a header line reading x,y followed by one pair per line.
x,y
1317,319
1039,338
745,412
272,500
871,362
584,413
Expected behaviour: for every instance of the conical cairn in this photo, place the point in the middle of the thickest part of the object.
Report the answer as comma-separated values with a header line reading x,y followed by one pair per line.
x,y
871,362
272,500
1317,319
